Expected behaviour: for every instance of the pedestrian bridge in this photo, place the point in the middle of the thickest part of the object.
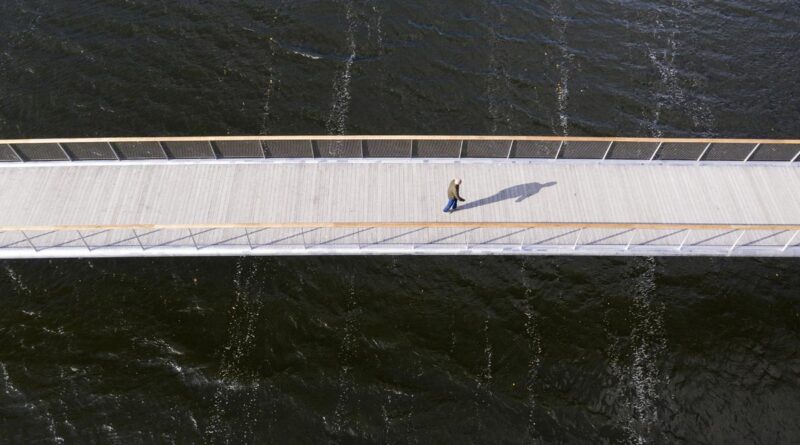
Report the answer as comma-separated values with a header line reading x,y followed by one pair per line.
x,y
360,195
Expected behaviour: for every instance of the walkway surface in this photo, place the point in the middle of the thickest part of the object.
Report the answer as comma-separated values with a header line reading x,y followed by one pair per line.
x,y
265,192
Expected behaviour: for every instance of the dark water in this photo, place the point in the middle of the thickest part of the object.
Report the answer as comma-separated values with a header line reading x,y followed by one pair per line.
x,y
399,350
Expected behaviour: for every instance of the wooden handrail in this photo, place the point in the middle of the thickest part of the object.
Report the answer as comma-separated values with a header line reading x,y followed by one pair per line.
x,y
398,137
409,225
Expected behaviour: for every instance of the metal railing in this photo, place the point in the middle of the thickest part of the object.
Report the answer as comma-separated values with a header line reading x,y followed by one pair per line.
x,y
401,238
494,147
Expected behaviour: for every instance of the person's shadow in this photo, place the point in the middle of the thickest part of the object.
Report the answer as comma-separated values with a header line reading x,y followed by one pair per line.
x,y
521,192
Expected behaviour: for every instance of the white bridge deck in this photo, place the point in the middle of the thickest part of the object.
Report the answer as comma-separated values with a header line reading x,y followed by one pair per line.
x,y
394,206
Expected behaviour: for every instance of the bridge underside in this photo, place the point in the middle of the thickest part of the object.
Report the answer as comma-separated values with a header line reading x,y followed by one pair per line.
x,y
394,207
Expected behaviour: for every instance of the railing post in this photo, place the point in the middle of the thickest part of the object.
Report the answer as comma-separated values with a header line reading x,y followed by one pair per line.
x,y
113,150
303,236
84,241
736,242
63,150
194,241
786,246
362,148
752,152
138,239
510,146
577,238
29,241
311,146
795,157
658,147
461,149
247,234
411,149
163,150
263,148
704,152
213,150
688,231
16,153
558,152
607,150
627,246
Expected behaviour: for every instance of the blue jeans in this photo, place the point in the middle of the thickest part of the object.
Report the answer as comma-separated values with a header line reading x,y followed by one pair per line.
x,y
452,204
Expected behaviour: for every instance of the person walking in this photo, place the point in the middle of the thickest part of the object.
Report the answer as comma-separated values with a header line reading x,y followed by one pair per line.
x,y
453,196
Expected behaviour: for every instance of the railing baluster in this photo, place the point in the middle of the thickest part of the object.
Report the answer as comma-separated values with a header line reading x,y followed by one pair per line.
x,y
752,152
16,153
577,238
704,152
736,242
84,241
688,231
138,239
194,241
786,246
213,150
113,150
247,234
163,149
628,246
658,147
795,157
63,150
29,241
607,150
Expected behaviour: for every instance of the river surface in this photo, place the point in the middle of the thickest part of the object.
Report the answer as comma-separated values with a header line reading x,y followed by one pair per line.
x,y
400,350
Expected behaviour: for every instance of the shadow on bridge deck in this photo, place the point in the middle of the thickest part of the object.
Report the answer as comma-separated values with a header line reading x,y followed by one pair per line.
x,y
521,192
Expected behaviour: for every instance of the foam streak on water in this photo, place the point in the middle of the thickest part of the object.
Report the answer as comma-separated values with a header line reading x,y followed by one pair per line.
x,y
487,351
564,60
9,390
337,118
649,345
12,397
387,420
16,279
534,341
375,27
345,399
271,78
498,76
268,93
641,384
238,387
672,94
483,383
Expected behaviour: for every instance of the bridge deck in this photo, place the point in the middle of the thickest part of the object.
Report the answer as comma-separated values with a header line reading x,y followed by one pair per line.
x,y
372,191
